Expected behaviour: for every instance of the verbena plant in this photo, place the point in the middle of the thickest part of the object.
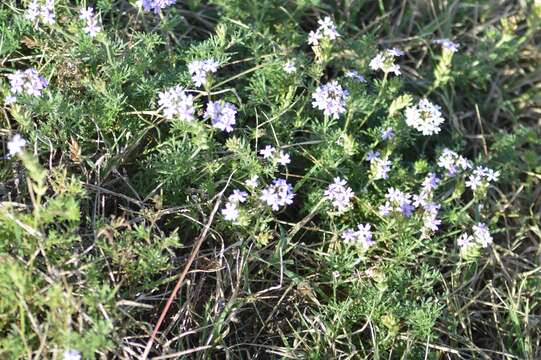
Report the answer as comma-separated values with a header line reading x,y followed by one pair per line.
x,y
327,164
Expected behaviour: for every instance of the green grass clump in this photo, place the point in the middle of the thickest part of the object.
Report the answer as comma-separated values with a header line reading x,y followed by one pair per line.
x,y
268,179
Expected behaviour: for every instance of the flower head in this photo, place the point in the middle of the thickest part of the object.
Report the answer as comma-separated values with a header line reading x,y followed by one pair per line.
x,y
331,99
27,82
267,152
156,5
339,194
199,69
354,74
277,194
289,67
464,241
362,236
447,44
387,133
230,211
385,61
238,196
92,27
481,234
41,11
326,31
251,182
221,114
453,162
397,202
284,158
481,176
380,168
425,117
176,102
16,145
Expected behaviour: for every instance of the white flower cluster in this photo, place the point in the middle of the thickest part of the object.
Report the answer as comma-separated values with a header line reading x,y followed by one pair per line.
x,y
425,117
385,61
92,25
396,202
16,145
199,69
231,212
176,102
453,162
339,194
331,99
277,194
41,11
362,236
325,31
481,236
481,176
290,67
221,114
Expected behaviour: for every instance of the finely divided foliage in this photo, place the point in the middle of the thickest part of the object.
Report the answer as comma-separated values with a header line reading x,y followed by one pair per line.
x,y
320,182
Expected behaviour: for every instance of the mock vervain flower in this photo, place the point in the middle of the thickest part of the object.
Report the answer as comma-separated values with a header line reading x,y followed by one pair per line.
x,y
71,354
16,145
481,234
230,211
354,74
481,176
453,162
251,182
339,194
92,27
387,133
447,44
41,11
430,182
362,236
277,194
27,82
396,202
289,67
267,152
326,31
380,168
176,102
425,117
371,155
199,69
464,241
156,5
238,196
221,114
385,61
284,158
331,99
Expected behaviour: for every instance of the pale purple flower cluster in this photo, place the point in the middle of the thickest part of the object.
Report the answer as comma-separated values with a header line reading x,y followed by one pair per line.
x,y
331,99
251,182
481,236
481,176
447,44
92,27
325,31
231,212
339,194
385,61
221,114
289,67
277,194
354,74
156,5
16,145
379,167
71,354
453,162
425,117
27,82
176,102
199,69
269,152
362,236
41,11
424,200
387,133
396,202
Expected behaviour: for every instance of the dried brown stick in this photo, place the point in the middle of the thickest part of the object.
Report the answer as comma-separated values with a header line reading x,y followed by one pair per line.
x,y
195,250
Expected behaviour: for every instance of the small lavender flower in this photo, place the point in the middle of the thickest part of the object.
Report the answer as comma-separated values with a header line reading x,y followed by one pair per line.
x,y
27,82
481,176
425,117
251,182
289,67
430,182
385,61
199,69
353,74
380,168
267,152
284,158
278,194
71,354
221,114
92,27
397,202
156,5
326,31
453,162
447,44
464,241
238,196
331,99
176,102
10,99
372,155
387,133
431,223
339,194
362,236
481,234
230,212
41,11
16,145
